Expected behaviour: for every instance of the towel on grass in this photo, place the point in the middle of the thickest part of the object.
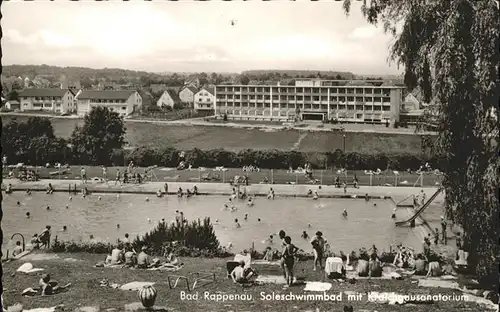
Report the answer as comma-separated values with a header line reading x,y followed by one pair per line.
x,y
167,267
28,268
272,279
265,262
135,285
437,283
317,286
51,309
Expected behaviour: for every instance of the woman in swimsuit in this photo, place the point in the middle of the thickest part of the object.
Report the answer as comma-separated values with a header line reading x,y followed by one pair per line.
x,y
288,256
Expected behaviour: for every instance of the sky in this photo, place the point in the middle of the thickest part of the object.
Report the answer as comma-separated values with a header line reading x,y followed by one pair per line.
x,y
194,36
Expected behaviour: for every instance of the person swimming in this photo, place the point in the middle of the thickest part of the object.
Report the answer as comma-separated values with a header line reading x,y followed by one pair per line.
x,y
226,207
64,228
118,226
344,213
18,203
258,220
233,208
28,215
367,198
304,235
147,199
309,225
309,192
159,193
250,201
28,191
70,198
48,207
236,223
271,194
270,239
246,217
179,192
393,216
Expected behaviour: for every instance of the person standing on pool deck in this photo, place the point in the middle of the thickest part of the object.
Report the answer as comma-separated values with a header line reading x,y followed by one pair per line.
x,y
104,174
318,243
83,175
288,256
282,235
118,176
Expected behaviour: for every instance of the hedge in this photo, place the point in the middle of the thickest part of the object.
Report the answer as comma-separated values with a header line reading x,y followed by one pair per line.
x,y
265,159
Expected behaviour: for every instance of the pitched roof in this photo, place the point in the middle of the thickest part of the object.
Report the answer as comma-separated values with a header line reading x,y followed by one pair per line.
x,y
173,95
210,90
192,89
106,94
13,102
43,92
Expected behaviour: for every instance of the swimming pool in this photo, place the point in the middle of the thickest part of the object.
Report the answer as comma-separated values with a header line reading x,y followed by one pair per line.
x,y
367,222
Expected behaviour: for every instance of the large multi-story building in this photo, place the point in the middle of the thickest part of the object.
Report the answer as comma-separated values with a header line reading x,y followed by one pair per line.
x,y
53,100
124,102
311,100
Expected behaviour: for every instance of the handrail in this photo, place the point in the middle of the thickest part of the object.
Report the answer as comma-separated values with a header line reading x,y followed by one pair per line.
x,y
22,237
427,204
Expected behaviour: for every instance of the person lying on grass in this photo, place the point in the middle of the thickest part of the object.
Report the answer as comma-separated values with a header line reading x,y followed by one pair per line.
x,y
242,275
46,287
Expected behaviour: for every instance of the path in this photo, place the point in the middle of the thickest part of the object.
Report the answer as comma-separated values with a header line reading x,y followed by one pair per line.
x,y
299,140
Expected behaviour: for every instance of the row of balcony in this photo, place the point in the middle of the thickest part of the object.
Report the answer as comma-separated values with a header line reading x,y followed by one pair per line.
x,y
283,102
306,93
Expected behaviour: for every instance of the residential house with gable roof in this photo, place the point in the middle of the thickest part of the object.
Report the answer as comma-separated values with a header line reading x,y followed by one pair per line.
x,y
204,99
187,94
168,99
124,102
54,100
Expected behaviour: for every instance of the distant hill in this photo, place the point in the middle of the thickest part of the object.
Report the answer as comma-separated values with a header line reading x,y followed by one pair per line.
x,y
300,73
70,72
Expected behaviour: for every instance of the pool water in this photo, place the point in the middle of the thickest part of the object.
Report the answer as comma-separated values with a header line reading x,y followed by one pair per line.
x,y
367,222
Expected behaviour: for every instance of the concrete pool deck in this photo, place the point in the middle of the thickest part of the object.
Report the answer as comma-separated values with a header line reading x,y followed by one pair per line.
x,y
281,190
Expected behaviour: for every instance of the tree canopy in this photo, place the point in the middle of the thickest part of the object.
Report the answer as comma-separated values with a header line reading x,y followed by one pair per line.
x,y
450,51
102,132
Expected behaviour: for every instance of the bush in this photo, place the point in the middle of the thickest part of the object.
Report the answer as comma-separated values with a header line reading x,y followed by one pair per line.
x,y
197,235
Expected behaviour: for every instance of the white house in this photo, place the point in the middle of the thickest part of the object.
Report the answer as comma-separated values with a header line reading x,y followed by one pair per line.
x,y
168,99
187,94
124,102
54,100
12,105
204,99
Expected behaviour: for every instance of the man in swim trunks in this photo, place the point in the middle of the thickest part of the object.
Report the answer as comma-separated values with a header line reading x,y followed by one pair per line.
x,y
242,275
143,261
49,287
318,244
117,254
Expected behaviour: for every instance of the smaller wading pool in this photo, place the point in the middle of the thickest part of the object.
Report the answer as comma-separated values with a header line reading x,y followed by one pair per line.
x,y
367,222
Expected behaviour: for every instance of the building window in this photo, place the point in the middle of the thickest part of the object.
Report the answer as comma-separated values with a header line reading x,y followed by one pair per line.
x,y
124,107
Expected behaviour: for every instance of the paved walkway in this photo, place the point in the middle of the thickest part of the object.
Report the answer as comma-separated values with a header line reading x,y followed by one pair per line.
x,y
396,193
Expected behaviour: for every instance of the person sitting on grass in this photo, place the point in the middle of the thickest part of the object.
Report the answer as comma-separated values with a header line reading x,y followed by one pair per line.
x,y
363,268
434,269
242,275
117,256
269,254
170,257
143,261
130,256
35,242
375,266
17,250
420,265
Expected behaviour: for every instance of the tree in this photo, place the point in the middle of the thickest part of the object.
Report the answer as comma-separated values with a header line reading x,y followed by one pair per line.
x,y
102,132
450,50
13,96
244,80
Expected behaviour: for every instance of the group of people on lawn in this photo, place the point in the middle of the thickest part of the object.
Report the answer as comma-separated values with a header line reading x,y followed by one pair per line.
x,y
124,254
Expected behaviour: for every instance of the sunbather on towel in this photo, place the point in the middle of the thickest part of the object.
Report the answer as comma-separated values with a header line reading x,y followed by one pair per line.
x,y
130,256
117,256
363,268
420,264
170,257
375,266
434,269
242,275
143,261
47,287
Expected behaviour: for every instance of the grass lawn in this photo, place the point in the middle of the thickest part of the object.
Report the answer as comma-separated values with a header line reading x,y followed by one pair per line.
x,y
235,139
327,177
85,290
